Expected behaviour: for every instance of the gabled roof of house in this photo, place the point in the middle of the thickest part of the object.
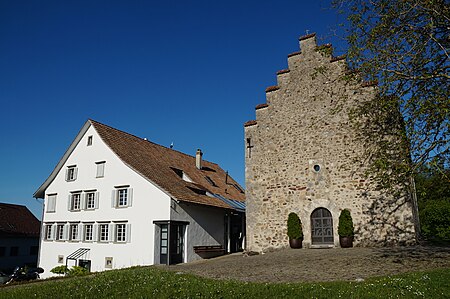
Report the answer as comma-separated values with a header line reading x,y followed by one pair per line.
x,y
162,166
18,221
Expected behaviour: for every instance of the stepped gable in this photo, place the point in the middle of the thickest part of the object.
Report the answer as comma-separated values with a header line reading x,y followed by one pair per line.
x,y
304,156
158,164
18,221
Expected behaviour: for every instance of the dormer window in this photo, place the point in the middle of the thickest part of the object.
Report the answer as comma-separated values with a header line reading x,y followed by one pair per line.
x,y
210,181
198,191
238,188
71,173
182,174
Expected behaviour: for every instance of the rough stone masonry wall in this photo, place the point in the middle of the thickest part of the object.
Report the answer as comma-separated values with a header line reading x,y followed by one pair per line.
x,y
303,123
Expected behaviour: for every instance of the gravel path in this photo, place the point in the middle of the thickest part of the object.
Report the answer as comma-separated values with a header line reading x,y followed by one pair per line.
x,y
294,265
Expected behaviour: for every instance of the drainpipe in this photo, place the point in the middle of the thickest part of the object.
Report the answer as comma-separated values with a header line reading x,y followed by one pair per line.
x,y
40,233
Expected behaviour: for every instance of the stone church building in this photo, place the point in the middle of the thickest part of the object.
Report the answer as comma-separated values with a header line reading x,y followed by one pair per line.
x,y
302,156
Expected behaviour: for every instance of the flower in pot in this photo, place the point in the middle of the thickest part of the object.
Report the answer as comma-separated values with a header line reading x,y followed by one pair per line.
x,y
345,229
294,231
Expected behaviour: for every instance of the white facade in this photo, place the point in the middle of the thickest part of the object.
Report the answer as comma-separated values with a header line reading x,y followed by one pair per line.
x,y
148,203
83,193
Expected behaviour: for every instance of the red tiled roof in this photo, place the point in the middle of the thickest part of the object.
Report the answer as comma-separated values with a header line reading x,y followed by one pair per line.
x,y
250,123
307,36
369,83
272,88
280,72
260,106
337,58
18,221
295,53
157,164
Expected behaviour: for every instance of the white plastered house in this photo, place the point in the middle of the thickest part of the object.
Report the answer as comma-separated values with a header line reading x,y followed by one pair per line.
x,y
115,200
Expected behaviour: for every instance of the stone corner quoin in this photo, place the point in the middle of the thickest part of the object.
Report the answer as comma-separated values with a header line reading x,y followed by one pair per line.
x,y
303,157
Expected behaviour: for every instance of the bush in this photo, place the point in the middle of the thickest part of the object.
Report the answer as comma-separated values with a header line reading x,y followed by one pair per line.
x,y
294,227
435,219
345,227
59,270
74,271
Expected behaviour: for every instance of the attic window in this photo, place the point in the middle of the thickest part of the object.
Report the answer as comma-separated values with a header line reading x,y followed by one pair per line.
x,y
198,191
210,181
89,141
181,174
238,188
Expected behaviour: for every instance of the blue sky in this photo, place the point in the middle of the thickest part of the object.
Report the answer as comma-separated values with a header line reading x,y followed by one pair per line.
x,y
187,72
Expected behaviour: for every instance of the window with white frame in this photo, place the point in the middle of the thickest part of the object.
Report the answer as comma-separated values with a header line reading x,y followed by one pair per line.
x,y
48,234
73,232
103,229
60,232
100,169
75,201
91,198
71,173
121,232
51,203
88,232
122,197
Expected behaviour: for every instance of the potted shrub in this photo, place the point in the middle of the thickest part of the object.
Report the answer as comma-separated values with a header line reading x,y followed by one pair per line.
x,y
345,229
294,231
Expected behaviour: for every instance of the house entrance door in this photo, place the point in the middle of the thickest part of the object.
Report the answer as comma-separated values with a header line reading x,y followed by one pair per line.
x,y
321,227
176,247
171,241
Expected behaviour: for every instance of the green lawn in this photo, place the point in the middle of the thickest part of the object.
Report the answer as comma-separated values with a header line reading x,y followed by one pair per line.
x,y
149,282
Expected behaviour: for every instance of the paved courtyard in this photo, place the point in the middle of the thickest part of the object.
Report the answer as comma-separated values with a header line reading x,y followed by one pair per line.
x,y
295,265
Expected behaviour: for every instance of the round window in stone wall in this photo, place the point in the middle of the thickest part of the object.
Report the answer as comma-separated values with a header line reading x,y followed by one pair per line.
x,y
316,168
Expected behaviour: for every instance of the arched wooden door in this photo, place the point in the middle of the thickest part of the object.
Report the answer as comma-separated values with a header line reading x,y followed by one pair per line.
x,y
321,227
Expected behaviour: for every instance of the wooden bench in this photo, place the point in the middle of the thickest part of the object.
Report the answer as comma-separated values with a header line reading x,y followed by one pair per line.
x,y
217,249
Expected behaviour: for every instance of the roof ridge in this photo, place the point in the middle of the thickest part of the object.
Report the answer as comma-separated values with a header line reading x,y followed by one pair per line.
x,y
146,140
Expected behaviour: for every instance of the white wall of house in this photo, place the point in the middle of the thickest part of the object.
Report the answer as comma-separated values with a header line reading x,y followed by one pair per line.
x,y
149,203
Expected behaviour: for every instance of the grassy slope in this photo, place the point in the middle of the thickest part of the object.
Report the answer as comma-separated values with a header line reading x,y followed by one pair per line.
x,y
149,282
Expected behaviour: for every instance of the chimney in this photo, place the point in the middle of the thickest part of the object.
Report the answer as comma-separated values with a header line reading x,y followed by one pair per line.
x,y
198,159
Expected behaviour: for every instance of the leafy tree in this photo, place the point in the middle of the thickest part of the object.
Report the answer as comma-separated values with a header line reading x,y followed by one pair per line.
x,y
404,45
433,193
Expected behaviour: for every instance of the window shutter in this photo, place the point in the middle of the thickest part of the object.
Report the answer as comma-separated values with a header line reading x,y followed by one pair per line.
x,y
53,203
130,197
113,198
128,232
96,199
111,233
95,232
82,201
80,230
101,169
75,172
66,231
53,234
69,202
67,174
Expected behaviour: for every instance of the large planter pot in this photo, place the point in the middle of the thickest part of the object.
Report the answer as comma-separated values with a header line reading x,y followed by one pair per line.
x,y
295,243
346,242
